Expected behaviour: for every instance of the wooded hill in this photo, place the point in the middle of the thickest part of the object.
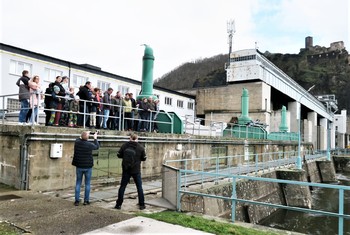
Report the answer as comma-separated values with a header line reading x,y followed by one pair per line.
x,y
328,70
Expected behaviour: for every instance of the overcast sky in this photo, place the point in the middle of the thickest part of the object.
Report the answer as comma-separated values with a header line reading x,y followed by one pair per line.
x,y
109,33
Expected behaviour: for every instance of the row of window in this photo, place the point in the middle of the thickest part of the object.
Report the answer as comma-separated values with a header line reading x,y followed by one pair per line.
x,y
16,68
180,103
243,58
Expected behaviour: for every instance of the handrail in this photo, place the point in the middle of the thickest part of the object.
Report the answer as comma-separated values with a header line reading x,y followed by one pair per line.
x,y
183,189
121,111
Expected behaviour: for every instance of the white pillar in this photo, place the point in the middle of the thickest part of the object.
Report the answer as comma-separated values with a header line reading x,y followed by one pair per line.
x,y
293,110
311,128
323,134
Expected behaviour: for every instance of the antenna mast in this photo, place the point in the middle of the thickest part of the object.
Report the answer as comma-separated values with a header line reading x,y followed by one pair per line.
x,y
230,30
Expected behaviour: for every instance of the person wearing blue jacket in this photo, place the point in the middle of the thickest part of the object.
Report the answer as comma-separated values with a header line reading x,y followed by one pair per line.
x,y
84,162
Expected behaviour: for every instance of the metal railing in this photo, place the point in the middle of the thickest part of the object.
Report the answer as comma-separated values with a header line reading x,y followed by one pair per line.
x,y
183,189
248,163
85,115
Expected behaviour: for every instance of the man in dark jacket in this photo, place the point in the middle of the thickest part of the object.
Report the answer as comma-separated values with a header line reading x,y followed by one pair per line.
x,y
131,168
23,96
84,162
60,104
84,94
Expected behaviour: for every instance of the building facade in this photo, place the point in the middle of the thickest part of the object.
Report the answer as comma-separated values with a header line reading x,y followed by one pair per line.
x,y
14,60
269,90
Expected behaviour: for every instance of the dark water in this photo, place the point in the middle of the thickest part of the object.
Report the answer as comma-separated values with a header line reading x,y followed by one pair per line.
x,y
322,199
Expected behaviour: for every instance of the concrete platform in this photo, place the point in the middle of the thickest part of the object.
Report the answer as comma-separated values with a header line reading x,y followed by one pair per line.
x,y
54,213
143,225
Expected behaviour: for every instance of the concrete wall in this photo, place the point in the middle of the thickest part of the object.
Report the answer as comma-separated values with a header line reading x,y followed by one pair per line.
x,y
274,193
30,166
227,99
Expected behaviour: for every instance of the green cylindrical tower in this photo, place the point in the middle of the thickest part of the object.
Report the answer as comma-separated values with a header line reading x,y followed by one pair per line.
x,y
147,73
244,118
283,125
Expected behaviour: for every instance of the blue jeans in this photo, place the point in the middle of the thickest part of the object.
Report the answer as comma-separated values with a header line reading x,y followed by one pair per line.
x,y
87,172
24,110
125,180
35,115
105,118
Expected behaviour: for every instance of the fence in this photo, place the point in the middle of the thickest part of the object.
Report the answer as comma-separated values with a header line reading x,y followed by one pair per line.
x,y
183,189
248,163
118,120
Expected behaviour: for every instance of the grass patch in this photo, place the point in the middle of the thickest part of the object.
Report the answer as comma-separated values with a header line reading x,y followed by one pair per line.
x,y
8,229
206,225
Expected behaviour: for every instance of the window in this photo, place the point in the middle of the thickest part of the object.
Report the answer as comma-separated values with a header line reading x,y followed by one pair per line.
x,y
243,58
103,85
79,80
17,67
180,104
123,89
51,74
190,105
168,101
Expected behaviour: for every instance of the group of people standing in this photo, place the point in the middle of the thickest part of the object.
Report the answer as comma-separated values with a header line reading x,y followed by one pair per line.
x,y
115,112
132,154
88,107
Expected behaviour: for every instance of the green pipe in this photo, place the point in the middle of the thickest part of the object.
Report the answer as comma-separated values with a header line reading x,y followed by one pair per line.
x,y
147,73
283,126
244,118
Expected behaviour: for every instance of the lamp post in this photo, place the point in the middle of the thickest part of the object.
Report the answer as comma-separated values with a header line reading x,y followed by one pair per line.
x,y
299,165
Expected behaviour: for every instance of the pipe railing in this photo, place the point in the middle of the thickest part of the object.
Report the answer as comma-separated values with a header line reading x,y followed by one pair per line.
x,y
242,164
121,112
183,189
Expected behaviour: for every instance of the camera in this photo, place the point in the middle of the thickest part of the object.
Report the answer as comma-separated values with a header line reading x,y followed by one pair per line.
x,y
92,133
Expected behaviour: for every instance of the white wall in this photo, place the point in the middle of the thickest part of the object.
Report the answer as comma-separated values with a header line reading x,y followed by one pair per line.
x,y
8,81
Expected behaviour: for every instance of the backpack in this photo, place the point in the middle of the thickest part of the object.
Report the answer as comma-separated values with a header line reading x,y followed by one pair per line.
x,y
129,158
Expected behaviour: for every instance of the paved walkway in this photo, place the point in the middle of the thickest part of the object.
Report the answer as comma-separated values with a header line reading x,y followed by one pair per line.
x,y
54,212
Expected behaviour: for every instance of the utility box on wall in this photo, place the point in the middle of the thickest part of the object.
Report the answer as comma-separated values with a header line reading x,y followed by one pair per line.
x,y
56,151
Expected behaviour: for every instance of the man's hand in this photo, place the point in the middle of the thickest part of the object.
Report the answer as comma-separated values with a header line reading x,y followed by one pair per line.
x,y
95,135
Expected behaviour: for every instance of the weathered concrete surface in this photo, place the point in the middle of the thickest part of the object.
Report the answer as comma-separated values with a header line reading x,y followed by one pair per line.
x,y
295,195
245,189
341,163
312,172
40,214
327,171
223,102
25,154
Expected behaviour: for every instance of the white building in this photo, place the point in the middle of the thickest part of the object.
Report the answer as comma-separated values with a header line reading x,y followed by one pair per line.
x,y
276,88
14,60
341,138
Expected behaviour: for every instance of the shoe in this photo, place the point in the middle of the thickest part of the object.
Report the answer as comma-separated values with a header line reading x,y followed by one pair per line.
x,y
20,123
142,207
76,203
86,203
118,207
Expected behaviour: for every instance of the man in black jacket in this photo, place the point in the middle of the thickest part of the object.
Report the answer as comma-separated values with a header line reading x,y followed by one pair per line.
x,y
84,162
132,154
84,94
